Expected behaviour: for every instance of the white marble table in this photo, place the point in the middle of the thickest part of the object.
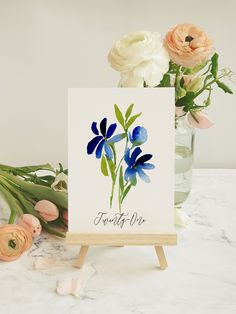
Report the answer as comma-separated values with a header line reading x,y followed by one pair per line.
x,y
201,278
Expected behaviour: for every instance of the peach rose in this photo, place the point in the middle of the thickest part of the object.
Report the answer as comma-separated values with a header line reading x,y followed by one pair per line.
x,y
188,45
31,223
14,241
47,210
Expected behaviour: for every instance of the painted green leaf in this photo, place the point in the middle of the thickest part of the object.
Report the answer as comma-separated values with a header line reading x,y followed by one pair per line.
x,y
126,192
214,65
129,111
121,180
104,166
132,119
119,116
223,86
112,168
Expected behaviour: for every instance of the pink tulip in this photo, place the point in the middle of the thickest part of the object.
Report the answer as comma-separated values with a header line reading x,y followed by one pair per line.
x,y
202,120
47,210
65,217
31,223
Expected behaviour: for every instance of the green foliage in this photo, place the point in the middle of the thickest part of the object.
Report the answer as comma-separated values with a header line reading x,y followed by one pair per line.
x,y
119,116
126,191
104,166
121,180
112,168
214,65
224,87
187,99
165,82
129,111
132,120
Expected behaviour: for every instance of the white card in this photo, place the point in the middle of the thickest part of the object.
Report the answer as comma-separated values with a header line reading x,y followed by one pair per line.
x,y
121,160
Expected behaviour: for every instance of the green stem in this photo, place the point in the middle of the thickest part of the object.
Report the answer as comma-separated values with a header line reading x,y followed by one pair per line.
x,y
37,191
112,193
208,85
12,217
119,200
116,173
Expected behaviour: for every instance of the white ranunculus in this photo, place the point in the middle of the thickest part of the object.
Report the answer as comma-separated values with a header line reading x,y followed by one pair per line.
x,y
139,57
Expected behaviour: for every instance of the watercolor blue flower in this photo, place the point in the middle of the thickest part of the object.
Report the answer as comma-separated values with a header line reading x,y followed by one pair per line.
x,y
103,139
137,165
138,136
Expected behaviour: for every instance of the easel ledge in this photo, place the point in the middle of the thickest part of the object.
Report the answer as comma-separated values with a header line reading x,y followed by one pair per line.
x,y
114,239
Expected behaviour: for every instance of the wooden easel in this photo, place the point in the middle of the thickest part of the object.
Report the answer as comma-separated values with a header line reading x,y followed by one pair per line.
x,y
156,240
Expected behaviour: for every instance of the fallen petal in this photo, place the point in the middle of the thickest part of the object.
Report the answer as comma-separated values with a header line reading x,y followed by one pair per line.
x,y
41,263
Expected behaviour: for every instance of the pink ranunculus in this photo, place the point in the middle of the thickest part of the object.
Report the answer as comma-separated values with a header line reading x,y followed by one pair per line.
x,y
203,121
47,210
188,45
31,223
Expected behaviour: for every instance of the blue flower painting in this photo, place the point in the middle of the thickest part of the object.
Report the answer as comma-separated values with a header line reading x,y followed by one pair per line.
x,y
133,164
137,166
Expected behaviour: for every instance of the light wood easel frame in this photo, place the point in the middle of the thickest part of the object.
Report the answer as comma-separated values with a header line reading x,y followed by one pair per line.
x,y
114,239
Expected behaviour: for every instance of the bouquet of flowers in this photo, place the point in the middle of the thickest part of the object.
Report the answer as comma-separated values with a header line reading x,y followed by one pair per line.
x,y
185,59
37,198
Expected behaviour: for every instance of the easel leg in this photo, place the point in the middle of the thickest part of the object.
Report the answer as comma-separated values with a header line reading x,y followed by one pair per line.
x,y
161,257
82,254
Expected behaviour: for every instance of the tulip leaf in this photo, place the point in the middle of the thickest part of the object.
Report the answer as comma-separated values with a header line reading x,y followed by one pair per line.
x,y
119,116
104,166
129,111
131,120
214,65
126,191
121,180
223,86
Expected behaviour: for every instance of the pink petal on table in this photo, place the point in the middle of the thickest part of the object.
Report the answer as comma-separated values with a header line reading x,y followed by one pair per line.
x,y
41,263
203,121
69,286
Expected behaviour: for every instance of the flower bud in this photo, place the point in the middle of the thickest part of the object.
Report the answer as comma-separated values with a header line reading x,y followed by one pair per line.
x,y
60,183
65,217
47,210
138,136
31,223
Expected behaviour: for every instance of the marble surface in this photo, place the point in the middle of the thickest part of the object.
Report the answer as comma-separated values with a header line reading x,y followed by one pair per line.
x,y
201,277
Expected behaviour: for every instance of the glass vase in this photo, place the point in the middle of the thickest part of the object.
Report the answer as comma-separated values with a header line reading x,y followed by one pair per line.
x,y
184,149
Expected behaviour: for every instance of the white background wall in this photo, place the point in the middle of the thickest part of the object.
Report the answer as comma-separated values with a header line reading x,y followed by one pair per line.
x,y
47,46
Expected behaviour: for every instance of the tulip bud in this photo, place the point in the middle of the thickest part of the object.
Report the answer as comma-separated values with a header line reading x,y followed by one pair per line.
x,y
138,136
47,210
65,217
60,183
31,223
